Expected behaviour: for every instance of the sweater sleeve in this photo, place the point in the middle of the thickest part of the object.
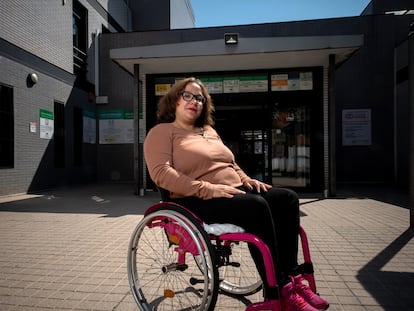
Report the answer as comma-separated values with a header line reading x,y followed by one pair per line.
x,y
158,153
241,173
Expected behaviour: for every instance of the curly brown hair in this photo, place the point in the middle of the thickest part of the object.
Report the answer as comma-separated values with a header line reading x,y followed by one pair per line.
x,y
168,103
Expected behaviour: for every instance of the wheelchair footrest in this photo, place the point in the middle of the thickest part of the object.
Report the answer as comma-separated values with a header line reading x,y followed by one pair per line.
x,y
273,305
305,268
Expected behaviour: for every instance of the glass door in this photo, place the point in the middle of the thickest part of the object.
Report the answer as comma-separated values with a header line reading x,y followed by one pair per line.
x,y
290,159
253,153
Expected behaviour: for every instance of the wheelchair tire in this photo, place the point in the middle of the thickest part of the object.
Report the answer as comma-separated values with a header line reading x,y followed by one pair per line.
x,y
171,262
240,280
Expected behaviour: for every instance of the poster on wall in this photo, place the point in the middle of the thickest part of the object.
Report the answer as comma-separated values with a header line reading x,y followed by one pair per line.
x,y
89,126
280,82
46,124
231,85
292,81
162,88
213,85
253,84
356,127
116,126
242,84
305,81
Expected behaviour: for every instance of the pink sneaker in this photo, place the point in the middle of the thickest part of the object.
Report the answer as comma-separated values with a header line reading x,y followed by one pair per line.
x,y
308,295
291,301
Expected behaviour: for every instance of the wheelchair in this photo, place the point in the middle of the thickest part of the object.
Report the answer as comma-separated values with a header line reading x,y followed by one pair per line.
x,y
175,264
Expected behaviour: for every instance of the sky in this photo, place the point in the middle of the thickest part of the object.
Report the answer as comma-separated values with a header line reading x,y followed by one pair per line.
x,y
210,13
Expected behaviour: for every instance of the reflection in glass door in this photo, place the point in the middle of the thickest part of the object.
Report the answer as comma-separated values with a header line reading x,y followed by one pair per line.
x,y
290,160
252,153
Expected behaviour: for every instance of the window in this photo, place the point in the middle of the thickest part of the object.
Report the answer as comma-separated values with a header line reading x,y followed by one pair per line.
x,y
402,75
59,134
77,135
80,38
6,127
105,29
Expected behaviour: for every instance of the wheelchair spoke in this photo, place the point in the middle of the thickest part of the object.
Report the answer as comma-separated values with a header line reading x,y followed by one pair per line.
x,y
162,266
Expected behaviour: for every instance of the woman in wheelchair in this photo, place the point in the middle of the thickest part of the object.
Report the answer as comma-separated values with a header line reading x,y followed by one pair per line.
x,y
185,155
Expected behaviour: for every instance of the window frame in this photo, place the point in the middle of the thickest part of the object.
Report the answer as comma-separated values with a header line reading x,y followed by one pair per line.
x,y
7,126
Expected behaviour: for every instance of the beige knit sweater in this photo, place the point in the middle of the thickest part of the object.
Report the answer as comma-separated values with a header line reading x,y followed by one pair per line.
x,y
187,163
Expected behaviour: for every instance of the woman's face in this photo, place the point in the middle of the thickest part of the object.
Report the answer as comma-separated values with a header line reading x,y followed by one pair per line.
x,y
190,104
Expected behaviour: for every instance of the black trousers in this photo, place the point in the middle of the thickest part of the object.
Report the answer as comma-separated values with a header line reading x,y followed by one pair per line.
x,y
273,216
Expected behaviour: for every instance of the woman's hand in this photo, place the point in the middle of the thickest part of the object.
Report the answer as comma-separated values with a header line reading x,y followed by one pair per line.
x,y
224,191
257,185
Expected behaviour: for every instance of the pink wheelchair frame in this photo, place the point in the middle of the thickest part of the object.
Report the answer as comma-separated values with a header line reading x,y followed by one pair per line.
x,y
271,304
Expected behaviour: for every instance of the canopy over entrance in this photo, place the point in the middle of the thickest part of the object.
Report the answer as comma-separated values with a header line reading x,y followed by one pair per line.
x,y
248,54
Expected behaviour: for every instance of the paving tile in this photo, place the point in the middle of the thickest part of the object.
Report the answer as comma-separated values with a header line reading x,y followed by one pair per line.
x,y
63,250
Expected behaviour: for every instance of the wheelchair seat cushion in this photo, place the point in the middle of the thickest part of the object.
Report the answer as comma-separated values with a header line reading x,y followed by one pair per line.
x,y
217,229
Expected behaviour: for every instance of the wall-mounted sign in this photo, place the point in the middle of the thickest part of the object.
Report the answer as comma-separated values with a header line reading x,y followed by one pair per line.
x,y
292,81
253,84
213,85
280,82
89,126
116,126
33,127
356,127
162,88
305,81
231,85
46,124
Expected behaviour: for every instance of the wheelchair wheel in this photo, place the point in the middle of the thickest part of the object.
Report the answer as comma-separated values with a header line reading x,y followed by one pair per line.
x,y
243,278
171,264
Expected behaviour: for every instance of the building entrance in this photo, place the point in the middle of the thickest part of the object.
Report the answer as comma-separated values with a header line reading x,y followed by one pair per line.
x,y
271,142
290,160
244,129
273,122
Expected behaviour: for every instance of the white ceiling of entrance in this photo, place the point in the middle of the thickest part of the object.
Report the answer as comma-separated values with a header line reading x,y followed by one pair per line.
x,y
250,53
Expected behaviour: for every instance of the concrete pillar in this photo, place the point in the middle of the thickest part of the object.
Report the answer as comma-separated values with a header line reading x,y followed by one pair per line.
x,y
411,118
332,126
138,142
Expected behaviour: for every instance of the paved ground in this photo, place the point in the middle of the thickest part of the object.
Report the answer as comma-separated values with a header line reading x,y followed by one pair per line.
x,y
66,249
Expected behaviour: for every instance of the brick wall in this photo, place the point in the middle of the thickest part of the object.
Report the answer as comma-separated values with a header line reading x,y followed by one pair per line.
x,y
41,27
37,37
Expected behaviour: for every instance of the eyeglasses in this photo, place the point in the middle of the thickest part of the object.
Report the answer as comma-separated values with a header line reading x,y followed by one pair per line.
x,y
187,96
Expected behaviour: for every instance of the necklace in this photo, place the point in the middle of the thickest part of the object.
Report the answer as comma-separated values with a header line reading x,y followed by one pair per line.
x,y
201,133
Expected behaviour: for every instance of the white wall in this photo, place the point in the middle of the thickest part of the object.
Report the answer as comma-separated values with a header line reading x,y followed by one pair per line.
x,y
181,14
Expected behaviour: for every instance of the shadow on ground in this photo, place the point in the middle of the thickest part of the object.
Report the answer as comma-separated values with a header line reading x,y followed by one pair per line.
x,y
392,290
379,192
111,200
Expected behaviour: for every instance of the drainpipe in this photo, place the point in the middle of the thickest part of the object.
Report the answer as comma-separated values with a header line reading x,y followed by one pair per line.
x,y
138,142
411,118
96,57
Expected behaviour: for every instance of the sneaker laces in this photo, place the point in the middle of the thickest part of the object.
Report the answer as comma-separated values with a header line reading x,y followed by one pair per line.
x,y
308,295
292,300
